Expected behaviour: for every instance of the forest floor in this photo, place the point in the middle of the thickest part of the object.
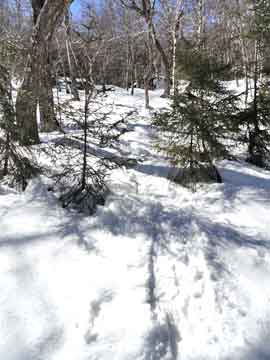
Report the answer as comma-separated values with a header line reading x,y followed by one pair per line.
x,y
158,273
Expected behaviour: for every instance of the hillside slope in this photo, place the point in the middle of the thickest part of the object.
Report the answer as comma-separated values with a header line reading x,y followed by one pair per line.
x,y
158,273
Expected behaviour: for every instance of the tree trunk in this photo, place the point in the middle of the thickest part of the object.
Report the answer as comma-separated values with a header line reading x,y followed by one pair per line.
x,y
165,62
26,105
73,86
201,21
146,93
132,58
149,67
128,61
49,18
174,63
146,10
244,53
48,120
255,148
175,30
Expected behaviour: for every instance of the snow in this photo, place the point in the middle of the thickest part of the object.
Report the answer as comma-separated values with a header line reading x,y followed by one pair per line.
x,y
159,272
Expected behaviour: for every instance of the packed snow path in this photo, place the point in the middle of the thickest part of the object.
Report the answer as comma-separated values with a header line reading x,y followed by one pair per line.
x,y
158,273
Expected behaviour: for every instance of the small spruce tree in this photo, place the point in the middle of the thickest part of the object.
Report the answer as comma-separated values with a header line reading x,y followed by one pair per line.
x,y
82,165
197,123
256,116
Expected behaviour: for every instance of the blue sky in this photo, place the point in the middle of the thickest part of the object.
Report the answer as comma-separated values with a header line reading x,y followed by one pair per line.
x,y
75,7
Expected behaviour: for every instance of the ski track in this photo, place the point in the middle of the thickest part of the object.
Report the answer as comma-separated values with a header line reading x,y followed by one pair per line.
x,y
159,272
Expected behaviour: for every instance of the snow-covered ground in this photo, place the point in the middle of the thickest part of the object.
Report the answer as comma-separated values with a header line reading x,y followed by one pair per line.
x,y
158,273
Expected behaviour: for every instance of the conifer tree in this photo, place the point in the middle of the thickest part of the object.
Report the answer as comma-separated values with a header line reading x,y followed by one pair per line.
x,y
84,168
199,119
256,116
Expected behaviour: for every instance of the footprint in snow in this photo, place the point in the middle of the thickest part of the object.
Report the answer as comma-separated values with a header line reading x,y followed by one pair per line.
x,y
105,296
198,279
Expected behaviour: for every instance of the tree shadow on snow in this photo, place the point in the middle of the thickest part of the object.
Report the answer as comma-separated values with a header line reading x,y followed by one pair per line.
x,y
74,226
260,349
239,179
162,171
256,188
175,230
20,240
49,343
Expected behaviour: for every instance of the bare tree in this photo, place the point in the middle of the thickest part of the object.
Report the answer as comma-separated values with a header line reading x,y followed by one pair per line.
x,y
70,58
50,16
146,9
171,14
45,94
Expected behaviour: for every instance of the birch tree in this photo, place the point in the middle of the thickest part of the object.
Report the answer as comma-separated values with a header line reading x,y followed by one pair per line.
x,y
147,9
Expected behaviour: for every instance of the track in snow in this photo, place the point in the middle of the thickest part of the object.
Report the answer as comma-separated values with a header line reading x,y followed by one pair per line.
x,y
159,273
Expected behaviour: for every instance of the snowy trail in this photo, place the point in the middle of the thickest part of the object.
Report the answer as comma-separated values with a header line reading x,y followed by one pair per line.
x,y
159,273
211,259
206,250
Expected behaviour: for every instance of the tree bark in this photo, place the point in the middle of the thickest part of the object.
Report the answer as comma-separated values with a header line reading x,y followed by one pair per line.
x,y
165,62
48,120
26,106
244,53
73,86
145,9
48,19
176,27
149,68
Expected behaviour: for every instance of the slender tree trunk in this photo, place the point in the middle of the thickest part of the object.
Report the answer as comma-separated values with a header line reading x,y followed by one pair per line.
x,y
254,132
133,75
245,64
201,21
244,53
73,86
137,77
174,62
146,10
73,83
84,167
128,61
149,67
165,62
176,27
146,93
